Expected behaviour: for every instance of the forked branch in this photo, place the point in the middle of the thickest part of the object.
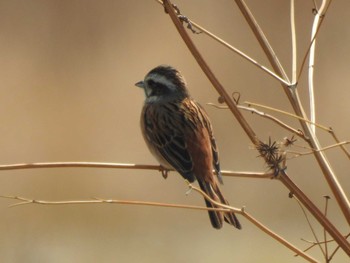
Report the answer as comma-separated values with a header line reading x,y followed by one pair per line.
x,y
293,96
221,207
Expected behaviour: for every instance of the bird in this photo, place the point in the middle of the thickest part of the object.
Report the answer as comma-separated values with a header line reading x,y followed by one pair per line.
x,y
179,134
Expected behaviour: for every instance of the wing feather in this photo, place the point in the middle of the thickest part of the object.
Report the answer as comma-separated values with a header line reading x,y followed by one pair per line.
x,y
165,137
165,126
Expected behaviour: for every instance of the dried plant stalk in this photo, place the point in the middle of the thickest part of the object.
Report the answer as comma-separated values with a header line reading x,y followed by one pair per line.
x,y
294,99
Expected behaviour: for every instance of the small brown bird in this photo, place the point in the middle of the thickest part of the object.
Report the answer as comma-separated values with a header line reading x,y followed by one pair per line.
x,y
179,134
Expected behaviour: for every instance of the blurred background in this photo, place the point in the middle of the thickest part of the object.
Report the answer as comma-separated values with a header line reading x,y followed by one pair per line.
x,y
67,74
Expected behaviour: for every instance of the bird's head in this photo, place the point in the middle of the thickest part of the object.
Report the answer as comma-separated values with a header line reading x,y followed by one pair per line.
x,y
163,83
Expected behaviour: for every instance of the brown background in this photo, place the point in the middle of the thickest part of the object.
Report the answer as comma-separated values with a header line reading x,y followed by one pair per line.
x,y
67,74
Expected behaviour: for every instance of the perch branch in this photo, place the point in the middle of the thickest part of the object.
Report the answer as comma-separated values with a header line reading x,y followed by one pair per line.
x,y
119,166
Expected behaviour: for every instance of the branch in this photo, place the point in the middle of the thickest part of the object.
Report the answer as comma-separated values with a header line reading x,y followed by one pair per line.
x,y
294,42
310,225
244,124
26,201
267,116
259,225
81,164
297,154
294,99
315,28
208,72
232,48
338,141
221,207
288,114
286,126
264,43
120,166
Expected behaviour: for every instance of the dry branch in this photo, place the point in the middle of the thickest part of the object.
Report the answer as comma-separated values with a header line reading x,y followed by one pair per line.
x,y
295,101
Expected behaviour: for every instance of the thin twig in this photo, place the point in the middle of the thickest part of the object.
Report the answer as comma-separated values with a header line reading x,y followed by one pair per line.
x,y
263,41
347,153
80,165
324,230
335,250
309,223
294,98
119,166
246,127
259,225
294,41
297,154
221,207
316,25
25,201
264,115
324,221
287,113
312,40
322,242
236,50
274,119
210,75
267,175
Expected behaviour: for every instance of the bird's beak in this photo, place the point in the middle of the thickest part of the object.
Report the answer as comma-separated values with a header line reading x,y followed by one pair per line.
x,y
140,84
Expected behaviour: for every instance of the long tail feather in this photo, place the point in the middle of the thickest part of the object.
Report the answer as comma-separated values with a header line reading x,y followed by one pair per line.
x,y
216,217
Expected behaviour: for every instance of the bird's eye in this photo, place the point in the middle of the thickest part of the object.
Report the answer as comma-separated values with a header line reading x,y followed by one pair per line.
x,y
157,88
150,82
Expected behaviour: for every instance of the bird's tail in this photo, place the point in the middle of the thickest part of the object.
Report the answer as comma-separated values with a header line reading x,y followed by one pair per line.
x,y
217,217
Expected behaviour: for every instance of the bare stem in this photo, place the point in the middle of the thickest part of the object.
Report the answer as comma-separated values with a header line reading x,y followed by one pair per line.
x,y
259,225
81,165
297,154
324,230
264,43
312,40
210,75
274,119
294,42
128,166
236,50
338,141
221,207
289,114
293,96
244,124
331,229
310,225
316,25
25,201
265,115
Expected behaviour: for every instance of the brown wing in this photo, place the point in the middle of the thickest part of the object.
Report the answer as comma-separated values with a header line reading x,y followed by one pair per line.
x,y
164,133
204,122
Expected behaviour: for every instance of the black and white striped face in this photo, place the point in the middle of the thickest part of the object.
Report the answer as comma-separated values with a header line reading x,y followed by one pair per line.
x,y
162,84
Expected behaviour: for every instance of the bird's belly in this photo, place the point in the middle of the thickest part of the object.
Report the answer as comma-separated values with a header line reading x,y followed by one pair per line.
x,y
158,156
